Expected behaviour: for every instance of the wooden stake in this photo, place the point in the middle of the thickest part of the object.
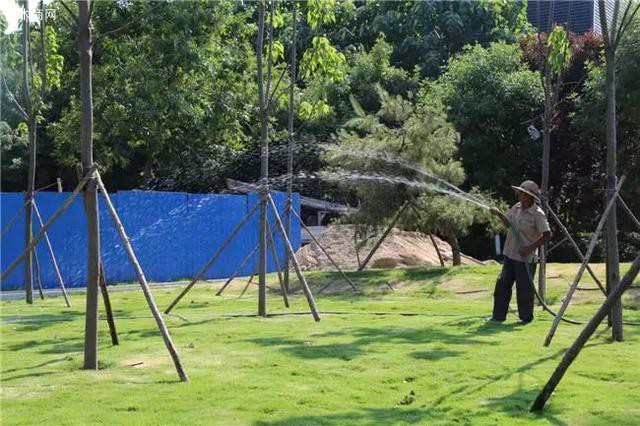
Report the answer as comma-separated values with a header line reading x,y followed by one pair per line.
x,y
333,262
575,247
13,220
237,271
213,258
303,281
59,184
35,240
584,336
433,241
572,289
143,283
274,254
626,208
53,257
37,276
248,284
107,306
290,142
384,235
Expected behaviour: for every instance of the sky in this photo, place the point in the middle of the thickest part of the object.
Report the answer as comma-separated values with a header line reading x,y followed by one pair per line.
x,y
13,12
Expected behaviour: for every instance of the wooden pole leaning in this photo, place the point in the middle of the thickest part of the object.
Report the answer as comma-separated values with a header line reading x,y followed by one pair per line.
x,y
333,262
237,271
143,282
433,241
573,351
107,306
213,258
575,248
13,220
36,239
384,236
53,258
36,275
626,208
574,285
296,265
271,241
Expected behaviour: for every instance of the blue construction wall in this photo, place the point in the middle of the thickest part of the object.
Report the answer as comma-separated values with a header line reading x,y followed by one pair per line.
x,y
172,233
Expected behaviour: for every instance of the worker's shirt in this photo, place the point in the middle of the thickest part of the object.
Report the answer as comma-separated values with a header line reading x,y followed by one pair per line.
x,y
530,223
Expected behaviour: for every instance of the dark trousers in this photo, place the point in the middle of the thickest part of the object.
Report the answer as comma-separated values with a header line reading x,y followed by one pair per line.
x,y
512,270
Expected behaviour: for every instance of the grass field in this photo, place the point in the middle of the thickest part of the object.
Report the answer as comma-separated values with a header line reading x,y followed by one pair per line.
x,y
420,354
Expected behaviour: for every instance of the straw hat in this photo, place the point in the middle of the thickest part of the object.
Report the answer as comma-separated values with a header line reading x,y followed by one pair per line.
x,y
529,187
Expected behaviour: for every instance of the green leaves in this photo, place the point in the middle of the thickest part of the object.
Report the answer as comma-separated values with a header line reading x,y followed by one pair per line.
x,y
559,50
323,61
320,12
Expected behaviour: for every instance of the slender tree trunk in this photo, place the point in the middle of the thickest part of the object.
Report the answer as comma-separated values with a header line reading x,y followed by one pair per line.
x,y
287,260
546,155
613,259
90,192
264,170
31,176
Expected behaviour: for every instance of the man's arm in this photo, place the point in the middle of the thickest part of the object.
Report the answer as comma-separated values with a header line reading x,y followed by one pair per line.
x,y
501,215
527,250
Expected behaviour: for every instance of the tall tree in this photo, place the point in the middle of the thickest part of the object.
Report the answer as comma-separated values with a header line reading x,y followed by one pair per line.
x,y
27,73
612,32
90,195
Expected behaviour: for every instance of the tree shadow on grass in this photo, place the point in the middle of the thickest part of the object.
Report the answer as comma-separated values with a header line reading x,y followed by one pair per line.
x,y
366,417
37,322
362,338
50,346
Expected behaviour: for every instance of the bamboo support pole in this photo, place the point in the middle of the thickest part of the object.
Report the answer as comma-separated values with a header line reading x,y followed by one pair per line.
x,y
384,236
212,259
433,241
37,275
143,282
333,262
107,306
296,265
50,222
626,208
572,353
575,248
53,257
592,245
237,271
272,243
12,222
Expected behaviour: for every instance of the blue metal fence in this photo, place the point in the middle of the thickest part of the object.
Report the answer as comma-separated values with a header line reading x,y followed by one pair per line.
x,y
172,233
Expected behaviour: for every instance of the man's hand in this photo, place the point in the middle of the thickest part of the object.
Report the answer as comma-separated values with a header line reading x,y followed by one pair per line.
x,y
526,251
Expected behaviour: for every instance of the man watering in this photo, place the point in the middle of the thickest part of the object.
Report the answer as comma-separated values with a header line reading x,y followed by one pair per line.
x,y
528,230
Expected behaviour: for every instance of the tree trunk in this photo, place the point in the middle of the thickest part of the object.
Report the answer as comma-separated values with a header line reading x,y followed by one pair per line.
x,y
31,176
546,154
452,239
292,85
613,259
264,169
90,194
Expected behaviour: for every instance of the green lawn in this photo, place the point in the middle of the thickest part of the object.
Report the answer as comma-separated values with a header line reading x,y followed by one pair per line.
x,y
421,354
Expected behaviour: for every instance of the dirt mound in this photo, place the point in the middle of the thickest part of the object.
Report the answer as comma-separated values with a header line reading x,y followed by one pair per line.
x,y
399,250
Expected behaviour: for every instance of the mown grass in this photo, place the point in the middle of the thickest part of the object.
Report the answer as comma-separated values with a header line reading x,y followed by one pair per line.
x,y
418,354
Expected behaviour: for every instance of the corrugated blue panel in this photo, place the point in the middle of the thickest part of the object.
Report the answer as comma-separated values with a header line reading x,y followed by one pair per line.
x,y
156,225
68,237
212,219
13,242
173,235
